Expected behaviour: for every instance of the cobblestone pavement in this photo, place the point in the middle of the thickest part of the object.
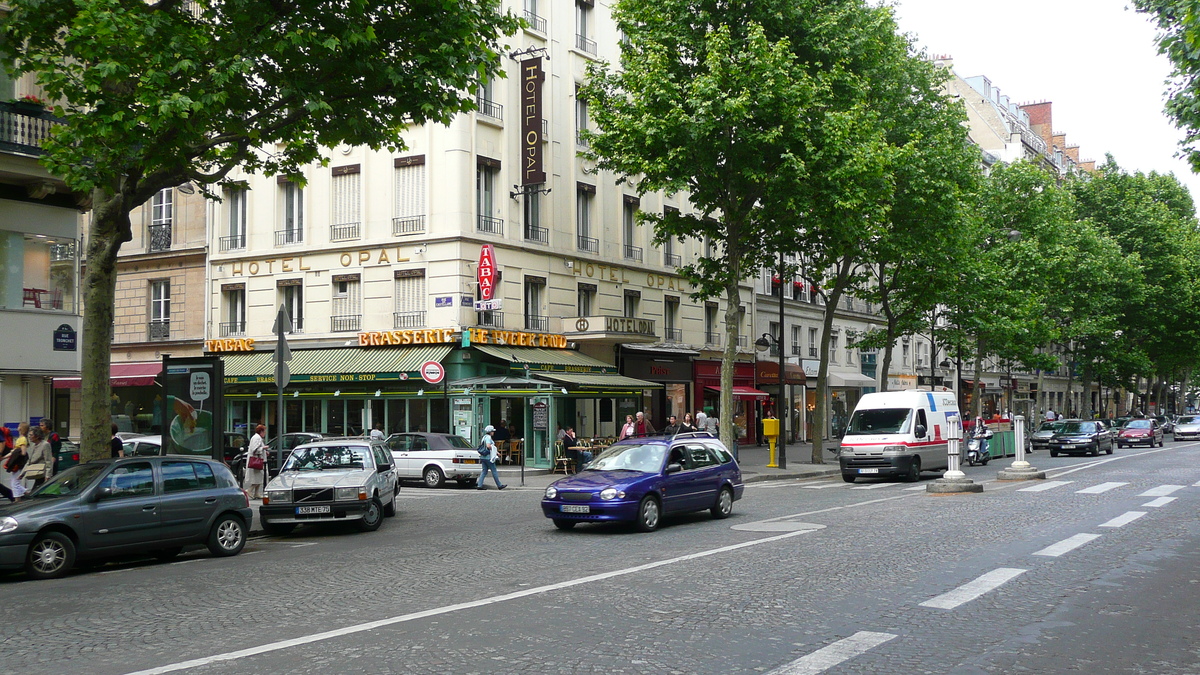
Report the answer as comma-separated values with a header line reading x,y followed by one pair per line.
x,y
480,582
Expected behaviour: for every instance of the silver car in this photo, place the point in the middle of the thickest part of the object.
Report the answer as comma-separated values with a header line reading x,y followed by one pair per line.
x,y
1187,427
1040,439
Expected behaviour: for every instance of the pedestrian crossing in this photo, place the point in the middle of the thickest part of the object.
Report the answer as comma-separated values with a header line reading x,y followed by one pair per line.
x,y
1160,492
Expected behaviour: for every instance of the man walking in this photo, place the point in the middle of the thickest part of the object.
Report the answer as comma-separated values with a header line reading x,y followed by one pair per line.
x,y
642,426
488,456
673,426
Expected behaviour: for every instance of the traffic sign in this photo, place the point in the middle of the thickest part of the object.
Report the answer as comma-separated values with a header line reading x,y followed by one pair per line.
x,y
432,372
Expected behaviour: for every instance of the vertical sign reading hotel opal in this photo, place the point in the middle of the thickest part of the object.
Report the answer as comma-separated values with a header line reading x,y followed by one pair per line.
x,y
532,172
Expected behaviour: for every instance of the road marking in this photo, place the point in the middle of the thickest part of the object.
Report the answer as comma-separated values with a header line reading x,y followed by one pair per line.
x,y
874,486
1097,489
1161,501
822,486
437,611
973,589
1196,484
915,487
1048,485
1161,491
1124,519
1115,458
835,654
1066,545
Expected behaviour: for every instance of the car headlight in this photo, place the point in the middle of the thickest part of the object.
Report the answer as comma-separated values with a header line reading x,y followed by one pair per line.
x,y
281,496
349,494
612,493
7,524
551,492
843,450
894,448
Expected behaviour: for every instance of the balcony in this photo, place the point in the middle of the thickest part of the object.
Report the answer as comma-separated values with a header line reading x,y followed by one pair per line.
x,y
581,140
491,319
812,352
345,323
633,253
712,339
236,242
490,225
408,225
674,335
297,325
232,328
23,128
585,44
587,244
160,237
797,350
288,237
489,108
536,22
345,232
538,323
539,235
671,260
160,329
408,319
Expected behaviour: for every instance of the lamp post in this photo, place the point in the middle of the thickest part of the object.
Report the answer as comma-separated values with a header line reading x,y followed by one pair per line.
x,y
761,345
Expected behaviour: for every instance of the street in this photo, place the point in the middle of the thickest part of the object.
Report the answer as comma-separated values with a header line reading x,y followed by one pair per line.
x,y
1092,570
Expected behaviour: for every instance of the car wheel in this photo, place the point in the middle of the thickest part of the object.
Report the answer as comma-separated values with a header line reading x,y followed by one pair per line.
x,y
1095,452
649,513
564,524
724,505
1110,449
168,553
278,528
228,536
373,517
51,556
1120,446
914,471
1053,453
849,477
434,478
389,509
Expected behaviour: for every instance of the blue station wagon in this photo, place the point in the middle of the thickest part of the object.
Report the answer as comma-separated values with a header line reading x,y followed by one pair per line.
x,y
641,480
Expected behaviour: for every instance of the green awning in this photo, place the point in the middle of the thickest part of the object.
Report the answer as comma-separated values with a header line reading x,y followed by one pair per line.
x,y
542,360
346,364
593,381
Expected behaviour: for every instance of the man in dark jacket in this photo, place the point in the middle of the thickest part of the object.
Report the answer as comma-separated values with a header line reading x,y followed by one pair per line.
x,y
674,427
642,426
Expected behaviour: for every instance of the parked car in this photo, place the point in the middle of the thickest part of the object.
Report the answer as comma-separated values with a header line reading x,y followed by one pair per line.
x,y
290,441
1040,439
1187,427
332,480
1167,424
434,458
1080,436
143,446
1139,431
121,506
640,480
67,456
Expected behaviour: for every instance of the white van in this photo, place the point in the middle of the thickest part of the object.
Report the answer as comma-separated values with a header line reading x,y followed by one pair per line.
x,y
898,433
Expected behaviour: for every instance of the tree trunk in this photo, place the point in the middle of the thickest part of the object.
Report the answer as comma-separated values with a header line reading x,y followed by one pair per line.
x,y
109,229
820,414
1086,406
733,302
977,386
886,366
1071,387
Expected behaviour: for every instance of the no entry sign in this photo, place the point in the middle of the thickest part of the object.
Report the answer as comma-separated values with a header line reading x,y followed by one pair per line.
x,y
432,372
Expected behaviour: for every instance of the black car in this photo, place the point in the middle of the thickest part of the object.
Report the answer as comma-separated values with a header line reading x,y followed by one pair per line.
x,y
1081,436
133,505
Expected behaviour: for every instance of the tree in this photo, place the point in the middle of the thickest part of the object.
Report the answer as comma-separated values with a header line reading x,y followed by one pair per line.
x,y
158,94
1179,32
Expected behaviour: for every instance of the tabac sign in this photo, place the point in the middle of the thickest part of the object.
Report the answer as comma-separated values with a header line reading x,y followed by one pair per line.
x,y
532,77
487,272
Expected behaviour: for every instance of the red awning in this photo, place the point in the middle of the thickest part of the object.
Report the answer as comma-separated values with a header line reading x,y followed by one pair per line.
x,y
120,375
744,392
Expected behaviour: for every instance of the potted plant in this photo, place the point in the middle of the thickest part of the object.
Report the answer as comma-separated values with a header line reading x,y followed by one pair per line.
x,y
30,102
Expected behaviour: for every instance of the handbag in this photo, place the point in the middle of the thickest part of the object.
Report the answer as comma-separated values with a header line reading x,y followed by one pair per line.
x,y
483,450
254,462
35,471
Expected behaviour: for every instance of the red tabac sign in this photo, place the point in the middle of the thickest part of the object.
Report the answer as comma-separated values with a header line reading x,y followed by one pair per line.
x,y
487,272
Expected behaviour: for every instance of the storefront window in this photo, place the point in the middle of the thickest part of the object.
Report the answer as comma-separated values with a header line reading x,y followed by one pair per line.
x,y
39,272
418,415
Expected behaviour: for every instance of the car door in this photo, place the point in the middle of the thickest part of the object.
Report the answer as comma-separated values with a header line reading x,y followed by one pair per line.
x,y
188,499
677,487
127,514
387,477
707,475
401,447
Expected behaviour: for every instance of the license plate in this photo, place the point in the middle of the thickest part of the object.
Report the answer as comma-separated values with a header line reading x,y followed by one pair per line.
x,y
575,508
868,470
308,510
470,461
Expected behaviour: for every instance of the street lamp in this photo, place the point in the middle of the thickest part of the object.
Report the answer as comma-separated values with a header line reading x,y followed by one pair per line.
x,y
762,344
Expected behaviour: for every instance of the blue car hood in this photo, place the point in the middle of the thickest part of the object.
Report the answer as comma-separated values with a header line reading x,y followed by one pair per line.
x,y
598,480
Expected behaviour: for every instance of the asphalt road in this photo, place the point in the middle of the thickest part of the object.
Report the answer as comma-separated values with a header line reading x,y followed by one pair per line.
x,y
806,577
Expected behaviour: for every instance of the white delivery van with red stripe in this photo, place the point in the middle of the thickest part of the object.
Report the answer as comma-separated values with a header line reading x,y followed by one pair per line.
x,y
898,433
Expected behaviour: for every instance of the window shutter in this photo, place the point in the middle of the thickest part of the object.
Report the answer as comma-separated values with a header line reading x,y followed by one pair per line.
x,y
346,198
410,190
410,294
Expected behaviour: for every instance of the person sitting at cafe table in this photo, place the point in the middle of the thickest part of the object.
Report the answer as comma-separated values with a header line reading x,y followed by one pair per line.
x,y
501,434
570,441
673,427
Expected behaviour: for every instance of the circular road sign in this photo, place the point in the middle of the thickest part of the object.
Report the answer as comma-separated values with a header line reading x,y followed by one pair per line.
x,y
432,372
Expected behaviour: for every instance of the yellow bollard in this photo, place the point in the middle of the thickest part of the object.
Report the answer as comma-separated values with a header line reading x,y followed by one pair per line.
x,y
771,431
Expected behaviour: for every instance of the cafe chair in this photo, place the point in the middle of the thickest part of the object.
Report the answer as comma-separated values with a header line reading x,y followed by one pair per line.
x,y
515,448
561,460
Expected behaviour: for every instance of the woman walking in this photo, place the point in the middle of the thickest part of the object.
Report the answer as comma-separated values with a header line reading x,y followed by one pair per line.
x,y
256,464
488,459
627,429
40,453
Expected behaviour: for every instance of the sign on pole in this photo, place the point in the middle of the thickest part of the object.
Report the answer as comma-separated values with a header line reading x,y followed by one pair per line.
x,y
432,372
487,272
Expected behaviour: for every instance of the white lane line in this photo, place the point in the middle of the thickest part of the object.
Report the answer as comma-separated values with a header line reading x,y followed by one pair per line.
x,y
915,487
1196,484
821,486
973,589
1161,491
1048,485
437,611
1066,545
1098,489
874,486
1124,519
835,654
1161,501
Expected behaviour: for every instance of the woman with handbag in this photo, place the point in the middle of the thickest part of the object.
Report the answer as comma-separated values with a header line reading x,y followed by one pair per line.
x,y
41,459
256,462
13,465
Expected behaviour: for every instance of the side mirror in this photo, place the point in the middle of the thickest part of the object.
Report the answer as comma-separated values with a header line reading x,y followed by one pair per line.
x,y
920,431
384,467
674,467
102,494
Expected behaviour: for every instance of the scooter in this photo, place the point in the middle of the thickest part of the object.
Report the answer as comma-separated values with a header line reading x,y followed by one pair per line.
x,y
977,451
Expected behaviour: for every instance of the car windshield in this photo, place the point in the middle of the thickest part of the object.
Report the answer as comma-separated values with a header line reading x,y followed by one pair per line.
x,y
458,442
642,458
1186,420
1138,424
321,458
70,482
1078,428
1049,426
879,421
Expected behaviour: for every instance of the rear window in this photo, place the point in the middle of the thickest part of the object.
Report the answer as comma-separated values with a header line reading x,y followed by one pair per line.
x,y
456,441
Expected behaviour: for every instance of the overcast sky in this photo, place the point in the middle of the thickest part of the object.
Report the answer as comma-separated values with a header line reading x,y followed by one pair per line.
x,y
1095,59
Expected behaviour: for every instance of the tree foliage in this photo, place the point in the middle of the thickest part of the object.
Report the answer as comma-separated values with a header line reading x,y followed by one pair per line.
x,y
1178,23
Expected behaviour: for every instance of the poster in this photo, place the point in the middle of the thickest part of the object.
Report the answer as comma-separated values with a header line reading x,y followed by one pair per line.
x,y
193,406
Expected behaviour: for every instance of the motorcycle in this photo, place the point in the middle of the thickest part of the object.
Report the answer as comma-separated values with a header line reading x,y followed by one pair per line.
x,y
977,450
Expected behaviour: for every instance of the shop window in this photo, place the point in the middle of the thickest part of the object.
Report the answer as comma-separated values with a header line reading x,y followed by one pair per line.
x,y
39,272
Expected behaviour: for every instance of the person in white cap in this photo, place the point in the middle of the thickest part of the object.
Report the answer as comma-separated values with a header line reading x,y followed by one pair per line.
x,y
487,457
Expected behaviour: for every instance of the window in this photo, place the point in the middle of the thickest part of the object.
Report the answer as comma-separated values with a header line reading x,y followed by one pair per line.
x,y
583,26
712,334
671,320
535,290
180,476
812,343
291,296
235,311
485,100
632,300
536,22
904,354
533,216
236,239
586,298
130,480
160,309
797,336
629,229
409,216
773,330
581,117
410,299
833,348
346,188
347,304
583,219
849,351
671,251
162,207
292,231
487,177
699,457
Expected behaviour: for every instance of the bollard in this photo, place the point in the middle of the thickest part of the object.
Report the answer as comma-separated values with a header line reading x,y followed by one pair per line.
x,y
954,480
1020,469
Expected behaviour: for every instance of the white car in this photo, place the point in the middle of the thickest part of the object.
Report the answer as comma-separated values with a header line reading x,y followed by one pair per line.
x,y
332,480
434,458
1187,427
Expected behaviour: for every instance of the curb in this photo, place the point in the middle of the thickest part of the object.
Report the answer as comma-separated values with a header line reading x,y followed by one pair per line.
x,y
748,477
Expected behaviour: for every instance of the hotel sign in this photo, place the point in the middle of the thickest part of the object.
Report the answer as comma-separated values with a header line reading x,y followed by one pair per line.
x,y
532,78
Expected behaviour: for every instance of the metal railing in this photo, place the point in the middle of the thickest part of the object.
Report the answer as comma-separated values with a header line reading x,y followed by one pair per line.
x,y
297,325
797,350
535,22
712,339
490,225
408,319
633,253
345,322
581,139
534,322
672,260
585,44
160,330
288,237
23,128
408,225
160,237
587,244
344,232
232,328
489,108
235,242
491,319
540,235
674,334
812,352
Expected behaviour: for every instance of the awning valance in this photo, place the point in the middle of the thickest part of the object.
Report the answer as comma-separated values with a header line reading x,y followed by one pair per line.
x,y
120,375
319,365
547,360
850,380
599,380
744,392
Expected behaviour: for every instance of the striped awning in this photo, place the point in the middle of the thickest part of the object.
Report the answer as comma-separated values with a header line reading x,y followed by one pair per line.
x,y
600,380
539,359
316,365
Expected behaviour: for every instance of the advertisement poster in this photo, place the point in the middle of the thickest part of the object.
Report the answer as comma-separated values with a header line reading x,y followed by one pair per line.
x,y
193,406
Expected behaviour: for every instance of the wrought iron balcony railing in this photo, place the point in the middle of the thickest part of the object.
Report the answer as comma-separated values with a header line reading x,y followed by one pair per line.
x,y
160,237
233,328
588,244
345,322
490,225
408,319
235,242
160,329
408,225
345,232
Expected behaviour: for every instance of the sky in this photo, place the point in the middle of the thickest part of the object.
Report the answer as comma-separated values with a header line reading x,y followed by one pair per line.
x,y
1096,60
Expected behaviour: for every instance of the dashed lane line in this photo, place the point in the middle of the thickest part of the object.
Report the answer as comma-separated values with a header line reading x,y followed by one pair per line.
x,y
874,486
1066,545
1048,485
821,486
1124,519
835,654
1161,501
1099,489
1161,491
973,589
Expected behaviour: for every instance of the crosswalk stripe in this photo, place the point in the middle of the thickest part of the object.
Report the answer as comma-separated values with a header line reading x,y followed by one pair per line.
x,y
1066,545
1161,491
1161,501
1048,485
915,487
874,486
821,486
835,654
973,589
1097,489
1124,519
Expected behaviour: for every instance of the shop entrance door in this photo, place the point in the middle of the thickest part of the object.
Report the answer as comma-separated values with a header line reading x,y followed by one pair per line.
x,y
539,449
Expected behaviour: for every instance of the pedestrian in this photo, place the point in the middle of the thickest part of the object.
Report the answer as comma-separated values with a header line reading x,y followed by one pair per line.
x,y
116,445
22,439
688,424
627,429
17,459
502,433
256,464
488,459
377,432
673,426
6,448
51,436
642,426
711,424
701,421
40,455
1050,416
